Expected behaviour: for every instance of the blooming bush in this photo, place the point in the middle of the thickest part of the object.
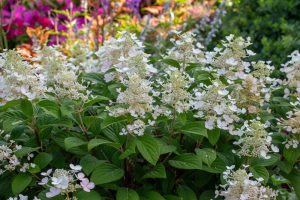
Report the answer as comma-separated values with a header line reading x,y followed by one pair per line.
x,y
120,123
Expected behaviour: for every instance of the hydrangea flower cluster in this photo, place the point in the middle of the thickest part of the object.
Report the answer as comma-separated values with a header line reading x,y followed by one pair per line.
x,y
9,161
64,182
59,74
123,57
241,185
18,79
292,126
49,72
216,106
228,61
136,100
174,94
254,140
292,70
185,51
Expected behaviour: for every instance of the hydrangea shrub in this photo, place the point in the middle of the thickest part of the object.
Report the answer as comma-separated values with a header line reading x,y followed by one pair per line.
x,y
120,123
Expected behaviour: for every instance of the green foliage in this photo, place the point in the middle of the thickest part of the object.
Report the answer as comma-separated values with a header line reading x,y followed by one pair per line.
x,y
273,25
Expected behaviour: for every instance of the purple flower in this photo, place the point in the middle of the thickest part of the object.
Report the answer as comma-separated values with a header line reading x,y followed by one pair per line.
x,y
87,185
134,6
53,192
44,181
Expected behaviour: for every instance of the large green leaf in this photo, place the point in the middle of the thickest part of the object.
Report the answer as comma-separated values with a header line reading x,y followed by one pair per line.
x,y
96,142
294,178
197,128
106,173
149,147
291,154
27,108
150,195
130,149
171,62
259,171
127,194
265,162
213,136
89,163
157,172
20,182
187,161
24,151
50,107
72,142
92,195
186,192
43,159
208,156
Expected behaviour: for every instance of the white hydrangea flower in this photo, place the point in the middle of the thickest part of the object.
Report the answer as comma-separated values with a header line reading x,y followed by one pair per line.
x,y
255,141
65,182
185,50
19,79
126,56
9,161
216,106
136,100
228,61
292,70
175,93
240,185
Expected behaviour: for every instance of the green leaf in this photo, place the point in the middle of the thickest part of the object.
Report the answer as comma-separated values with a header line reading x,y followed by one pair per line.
x,y
209,194
186,193
218,166
72,142
127,194
172,197
171,62
187,161
26,108
291,154
25,151
92,195
150,195
9,104
89,163
213,136
197,128
164,148
157,172
50,107
108,121
285,166
130,149
208,156
106,173
265,162
294,178
43,159
20,182
95,100
259,171
96,142
149,148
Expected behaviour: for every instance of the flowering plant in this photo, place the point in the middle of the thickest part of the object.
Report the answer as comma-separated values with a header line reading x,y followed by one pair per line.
x,y
185,124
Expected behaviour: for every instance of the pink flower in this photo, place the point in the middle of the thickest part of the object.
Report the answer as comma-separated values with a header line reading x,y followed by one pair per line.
x,y
87,185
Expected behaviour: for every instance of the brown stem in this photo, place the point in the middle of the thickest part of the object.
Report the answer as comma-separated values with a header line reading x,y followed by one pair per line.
x,y
82,127
36,133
